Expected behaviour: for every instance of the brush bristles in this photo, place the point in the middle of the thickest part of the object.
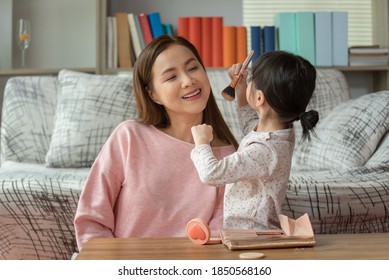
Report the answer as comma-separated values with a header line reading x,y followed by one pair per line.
x,y
229,93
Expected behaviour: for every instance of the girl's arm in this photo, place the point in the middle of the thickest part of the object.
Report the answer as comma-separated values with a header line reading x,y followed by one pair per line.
x,y
251,162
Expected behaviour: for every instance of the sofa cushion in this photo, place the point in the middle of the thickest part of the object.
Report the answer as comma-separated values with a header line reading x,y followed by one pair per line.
x,y
28,118
348,135
89,107
381,154
331,89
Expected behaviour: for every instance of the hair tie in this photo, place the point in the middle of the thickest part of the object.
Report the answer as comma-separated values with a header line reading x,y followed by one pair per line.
x,y
298,117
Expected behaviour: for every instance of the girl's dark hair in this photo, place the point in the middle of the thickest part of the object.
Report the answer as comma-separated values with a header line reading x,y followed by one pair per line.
x,y
288,82
155,114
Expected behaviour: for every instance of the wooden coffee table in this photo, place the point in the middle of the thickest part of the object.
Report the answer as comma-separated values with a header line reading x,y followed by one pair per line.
x,y
373,246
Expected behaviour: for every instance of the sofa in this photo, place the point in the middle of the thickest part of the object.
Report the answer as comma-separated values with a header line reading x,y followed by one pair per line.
x,y
52,128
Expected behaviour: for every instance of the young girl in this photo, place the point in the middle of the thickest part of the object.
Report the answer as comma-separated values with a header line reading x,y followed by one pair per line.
x,y
277,95
143,182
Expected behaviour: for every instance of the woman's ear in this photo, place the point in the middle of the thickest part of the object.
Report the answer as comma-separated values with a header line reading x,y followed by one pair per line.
x,y
152,96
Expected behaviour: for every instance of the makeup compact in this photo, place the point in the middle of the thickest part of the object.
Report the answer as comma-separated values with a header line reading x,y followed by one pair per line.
x,y
199,233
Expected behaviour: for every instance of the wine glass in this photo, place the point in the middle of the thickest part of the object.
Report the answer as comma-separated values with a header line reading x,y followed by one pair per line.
x,y
23,36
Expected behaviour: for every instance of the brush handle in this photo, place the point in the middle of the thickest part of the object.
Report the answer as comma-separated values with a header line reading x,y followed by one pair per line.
x,y
246,62
235,80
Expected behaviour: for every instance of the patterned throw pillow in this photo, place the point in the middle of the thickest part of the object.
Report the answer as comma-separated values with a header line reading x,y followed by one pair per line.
x,y
381,154
28,118
89,107
348,135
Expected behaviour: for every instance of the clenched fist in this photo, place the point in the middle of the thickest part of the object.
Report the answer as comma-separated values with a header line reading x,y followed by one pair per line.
x,y
202,134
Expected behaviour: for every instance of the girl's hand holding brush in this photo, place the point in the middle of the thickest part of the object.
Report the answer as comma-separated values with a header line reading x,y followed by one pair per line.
x,y
229,92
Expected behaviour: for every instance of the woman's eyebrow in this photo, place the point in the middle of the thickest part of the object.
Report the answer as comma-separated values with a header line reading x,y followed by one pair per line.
x,y
167,70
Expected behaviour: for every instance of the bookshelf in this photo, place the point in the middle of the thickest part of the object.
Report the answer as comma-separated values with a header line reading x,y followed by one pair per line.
x,y
82,26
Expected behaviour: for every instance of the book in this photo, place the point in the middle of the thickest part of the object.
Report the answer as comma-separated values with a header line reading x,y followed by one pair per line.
x,y
146,29
229,46
135,38
373,49
286,26
269,38
155,24
323,38
140,32
339,38
168,28
124,41
256,41
241,43
115,43
183,27
109,41
368,55
206,40
305,36
217,41
368,60
195,33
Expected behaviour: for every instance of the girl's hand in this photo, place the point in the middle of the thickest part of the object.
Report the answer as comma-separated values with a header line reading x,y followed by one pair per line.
x,y
202,134
241,87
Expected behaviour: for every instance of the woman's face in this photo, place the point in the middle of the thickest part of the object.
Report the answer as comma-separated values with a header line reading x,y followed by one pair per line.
x,y
179,82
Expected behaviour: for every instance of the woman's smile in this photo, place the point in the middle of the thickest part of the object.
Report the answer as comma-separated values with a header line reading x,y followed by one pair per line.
x,y
192,95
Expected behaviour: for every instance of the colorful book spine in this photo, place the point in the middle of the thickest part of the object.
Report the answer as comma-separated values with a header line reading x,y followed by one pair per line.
x,y
155,24
305,35
124,41
339,39
195,33
269,38
229,46
206,41
217,41
146,29
168,29
183,27
109,38
285,23
115,43
134,34
256,41
140,32
323,38
241,43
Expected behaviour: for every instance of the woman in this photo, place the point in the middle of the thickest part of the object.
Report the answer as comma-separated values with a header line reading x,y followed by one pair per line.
x,y
143,182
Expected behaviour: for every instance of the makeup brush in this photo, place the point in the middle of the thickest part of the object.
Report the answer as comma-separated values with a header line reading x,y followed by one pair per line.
x,y
229,92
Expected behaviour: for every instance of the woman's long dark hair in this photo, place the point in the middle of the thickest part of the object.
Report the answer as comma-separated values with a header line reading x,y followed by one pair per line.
x,y
155,114
288,82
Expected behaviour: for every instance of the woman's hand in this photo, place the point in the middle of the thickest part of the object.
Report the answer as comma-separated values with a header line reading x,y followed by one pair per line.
x,y
240,89
202,134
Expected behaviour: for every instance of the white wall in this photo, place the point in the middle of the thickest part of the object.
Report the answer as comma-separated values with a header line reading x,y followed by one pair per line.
x,y
62,36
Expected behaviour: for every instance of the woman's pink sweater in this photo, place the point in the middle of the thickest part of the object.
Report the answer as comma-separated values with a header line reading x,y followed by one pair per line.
x,y
143,183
